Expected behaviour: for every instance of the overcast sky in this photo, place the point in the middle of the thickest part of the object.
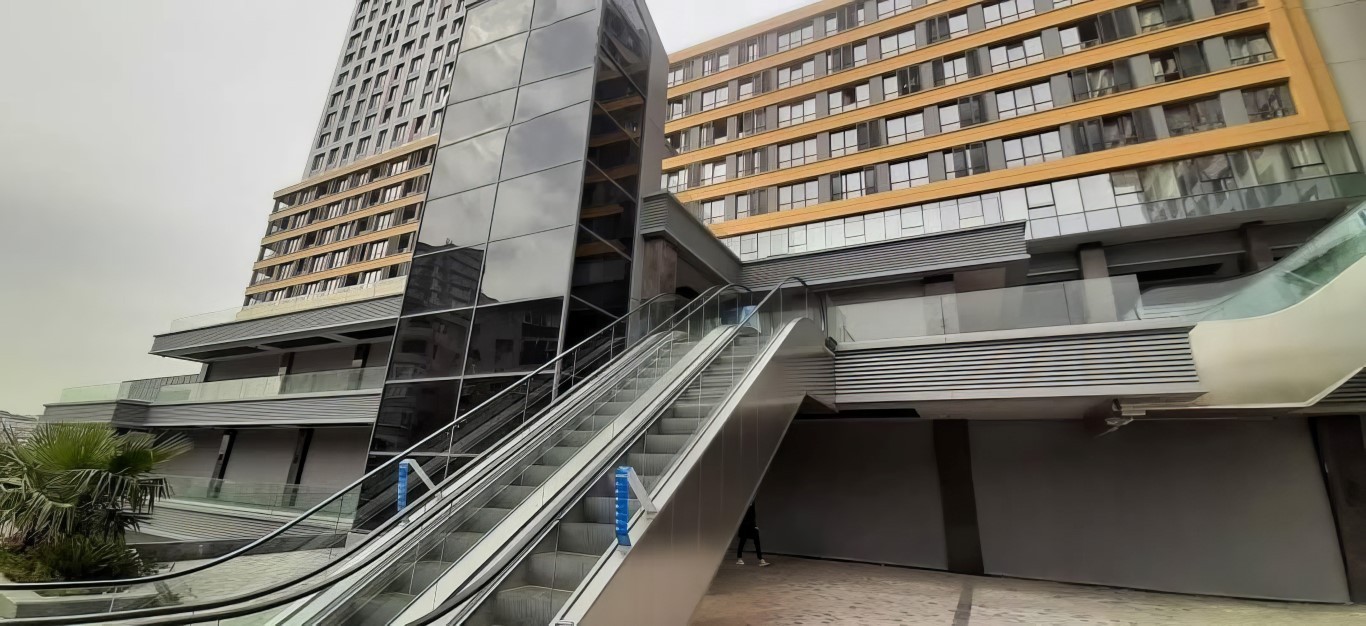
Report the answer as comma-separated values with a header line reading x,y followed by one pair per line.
x,y
140,141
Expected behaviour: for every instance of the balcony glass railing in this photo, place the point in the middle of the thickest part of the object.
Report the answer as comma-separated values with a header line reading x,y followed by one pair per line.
x,y
386,287
272,386
269,497
96,393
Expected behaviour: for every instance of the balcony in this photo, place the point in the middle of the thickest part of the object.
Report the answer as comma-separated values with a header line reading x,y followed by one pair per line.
x,y
354,293
273,386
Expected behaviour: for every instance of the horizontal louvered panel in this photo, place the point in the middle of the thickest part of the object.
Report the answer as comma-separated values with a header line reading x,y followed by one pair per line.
x,y
170,520
1138,358
661,215
354,313
85,412
903,256
348,409
1351,390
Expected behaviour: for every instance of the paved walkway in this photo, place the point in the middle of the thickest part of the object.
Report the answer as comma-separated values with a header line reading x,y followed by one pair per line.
x,y
806,591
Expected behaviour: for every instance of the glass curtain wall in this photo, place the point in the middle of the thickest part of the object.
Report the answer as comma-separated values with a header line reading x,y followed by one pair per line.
x,y
526,242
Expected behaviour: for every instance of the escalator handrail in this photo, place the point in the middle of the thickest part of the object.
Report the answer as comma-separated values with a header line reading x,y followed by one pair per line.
x,y
463,595
191,613
161,576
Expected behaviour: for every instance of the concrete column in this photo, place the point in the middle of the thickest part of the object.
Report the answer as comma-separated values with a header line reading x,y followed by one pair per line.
x,y
953,460
822,63
1201,9
935,162
1098,295
884,177
1159,121
661,268
1257,254
1141,70
1052,43
1061,87
1216,53
1043,6
930,117
824,190
977,20
874,49
822,146
996,154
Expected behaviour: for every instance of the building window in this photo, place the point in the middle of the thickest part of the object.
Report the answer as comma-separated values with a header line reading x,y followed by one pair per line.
x,y
905,128
849,140
1024,100
676,181
714,98
1192,117
848,98
796,112
1032,149
796,35
713,173
1017,54
1154,16
798,195
796,74
751,162
912,173
898,43
678,108
714,62
1008,11
751,49
888,8
903,82
966,160
845,57
752,122
752,203
1250,48
1228,6
797,153
950,70
966,112
1182,62
714,132
1101,80
942,27
1093,31
714,211
678,74
1111,131
678,141
855,184
1264,103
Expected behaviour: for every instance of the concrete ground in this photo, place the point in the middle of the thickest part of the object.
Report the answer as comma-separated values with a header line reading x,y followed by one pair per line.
x,y
808,591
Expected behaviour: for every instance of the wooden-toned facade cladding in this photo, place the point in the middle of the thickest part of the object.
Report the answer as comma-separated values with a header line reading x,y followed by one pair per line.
x,y
340,244
407,148
1298,61
363,266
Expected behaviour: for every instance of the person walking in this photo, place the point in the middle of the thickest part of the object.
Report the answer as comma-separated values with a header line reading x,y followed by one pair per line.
x,y
748,531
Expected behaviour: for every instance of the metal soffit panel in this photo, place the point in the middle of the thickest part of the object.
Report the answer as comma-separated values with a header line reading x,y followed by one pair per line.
x,y
1144,362
349,409
995,244
379,309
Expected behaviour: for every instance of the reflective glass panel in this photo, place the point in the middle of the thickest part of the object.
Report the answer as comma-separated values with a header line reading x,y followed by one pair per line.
x,y
519,336
550,11
494,20
537,202
478,116
485,70
560,48
468,164
444,280
456,220
409,412
553,94
526,267
547,141
430,346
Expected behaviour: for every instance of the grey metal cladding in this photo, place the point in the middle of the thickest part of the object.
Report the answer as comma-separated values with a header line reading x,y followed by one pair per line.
x,y
1350,391
662,216
347,409
1155,360
994,244
378,309
82,412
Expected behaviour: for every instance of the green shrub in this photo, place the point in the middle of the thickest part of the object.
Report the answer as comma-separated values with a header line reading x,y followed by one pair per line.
x,y
89,558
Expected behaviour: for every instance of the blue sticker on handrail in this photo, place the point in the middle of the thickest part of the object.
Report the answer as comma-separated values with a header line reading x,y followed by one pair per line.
x,y
402,485
623,506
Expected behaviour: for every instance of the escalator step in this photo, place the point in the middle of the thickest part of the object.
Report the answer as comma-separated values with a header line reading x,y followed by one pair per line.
x,y
594,423
424,573
602,510
511,496
557,456
483,520
455,545
677,425
528,606
536,475
649,464
559,570
586,537
668,444
575,438
690,410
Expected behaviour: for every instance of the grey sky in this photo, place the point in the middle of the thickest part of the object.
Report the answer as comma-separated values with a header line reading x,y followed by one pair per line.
x,y
140,141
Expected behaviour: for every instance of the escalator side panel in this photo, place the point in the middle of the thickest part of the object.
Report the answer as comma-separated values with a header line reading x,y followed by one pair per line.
x,y
676,552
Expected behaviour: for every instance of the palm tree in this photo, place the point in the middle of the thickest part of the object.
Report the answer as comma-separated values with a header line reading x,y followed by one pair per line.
x,y
79,479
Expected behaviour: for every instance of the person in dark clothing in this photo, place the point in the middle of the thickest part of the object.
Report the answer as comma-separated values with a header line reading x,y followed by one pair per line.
x,y
748,531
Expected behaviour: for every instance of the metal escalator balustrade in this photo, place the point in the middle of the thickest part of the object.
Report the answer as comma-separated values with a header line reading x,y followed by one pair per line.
x,y
256,569
471,528
540,568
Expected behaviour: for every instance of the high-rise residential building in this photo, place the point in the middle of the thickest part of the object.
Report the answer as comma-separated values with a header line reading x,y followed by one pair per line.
x,y
1071,291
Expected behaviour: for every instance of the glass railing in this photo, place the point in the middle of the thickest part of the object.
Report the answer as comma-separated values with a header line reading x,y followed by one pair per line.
x,y
96,393
1030,306
272,386
386,287
1302,272
267,497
